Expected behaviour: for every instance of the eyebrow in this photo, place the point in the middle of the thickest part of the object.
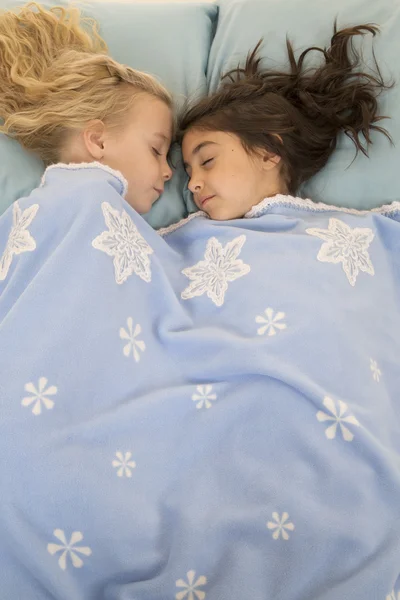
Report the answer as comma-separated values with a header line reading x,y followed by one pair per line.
x,y
197,150
163,137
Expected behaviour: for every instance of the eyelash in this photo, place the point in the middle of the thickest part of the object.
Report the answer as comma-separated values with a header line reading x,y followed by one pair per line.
x,y
206,162
156,152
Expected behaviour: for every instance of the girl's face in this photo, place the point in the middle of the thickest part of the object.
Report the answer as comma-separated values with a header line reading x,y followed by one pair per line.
x,y
225,180
139,151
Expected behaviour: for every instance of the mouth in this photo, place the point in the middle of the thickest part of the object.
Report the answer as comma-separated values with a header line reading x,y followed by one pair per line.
x,y
203,201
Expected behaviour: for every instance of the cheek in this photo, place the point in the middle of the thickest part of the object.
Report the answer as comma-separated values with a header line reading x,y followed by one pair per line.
x,y
236,166
143,167
244,172
154,170
233,174
150,172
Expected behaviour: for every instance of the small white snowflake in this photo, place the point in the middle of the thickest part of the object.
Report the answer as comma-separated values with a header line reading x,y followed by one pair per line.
x,y
204,397
338,419
19,240
69,548
280,524
133,344
347,246
191,590
375,370
271,322
219,267
39,396
124,242
124,464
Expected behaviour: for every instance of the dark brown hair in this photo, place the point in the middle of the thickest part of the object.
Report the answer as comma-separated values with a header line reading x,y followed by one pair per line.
x,y
297,114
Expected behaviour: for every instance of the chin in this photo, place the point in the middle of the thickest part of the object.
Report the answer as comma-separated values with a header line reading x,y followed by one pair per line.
x,y
141,206
226,214
220,215
144,210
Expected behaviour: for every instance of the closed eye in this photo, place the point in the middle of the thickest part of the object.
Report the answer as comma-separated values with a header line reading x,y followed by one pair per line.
x,y
203,164
156,152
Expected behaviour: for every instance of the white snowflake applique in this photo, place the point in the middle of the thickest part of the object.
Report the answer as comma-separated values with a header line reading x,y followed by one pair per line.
x,y
124,464
191,587
134,345
338,418
69,548
204,396
219,267
124,242
375,370
347,246
281,525
19,240
39,396
271,323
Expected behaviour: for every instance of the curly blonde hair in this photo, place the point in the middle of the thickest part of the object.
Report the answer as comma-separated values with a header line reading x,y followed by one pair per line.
x,y
55,76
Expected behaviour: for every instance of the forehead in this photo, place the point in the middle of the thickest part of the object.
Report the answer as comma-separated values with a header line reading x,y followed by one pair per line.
x,y
194,137
152,114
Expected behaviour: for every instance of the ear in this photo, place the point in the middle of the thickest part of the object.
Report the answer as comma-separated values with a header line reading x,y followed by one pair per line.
x,y
270,161
94,138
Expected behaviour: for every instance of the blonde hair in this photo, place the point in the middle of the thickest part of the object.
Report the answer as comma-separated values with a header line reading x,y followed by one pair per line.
x,y
55,76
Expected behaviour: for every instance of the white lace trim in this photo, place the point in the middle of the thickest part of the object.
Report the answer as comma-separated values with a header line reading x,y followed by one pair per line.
x,y
91,165
291,202
166,230
306,204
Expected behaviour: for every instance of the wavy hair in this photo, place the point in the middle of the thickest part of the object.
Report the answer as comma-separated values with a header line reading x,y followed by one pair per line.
x,y
55,76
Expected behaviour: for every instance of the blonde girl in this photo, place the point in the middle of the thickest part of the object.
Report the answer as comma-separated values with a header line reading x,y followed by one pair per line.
x,y
63,98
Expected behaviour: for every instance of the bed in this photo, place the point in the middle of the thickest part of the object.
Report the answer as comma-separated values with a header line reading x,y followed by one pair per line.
x,y
170,433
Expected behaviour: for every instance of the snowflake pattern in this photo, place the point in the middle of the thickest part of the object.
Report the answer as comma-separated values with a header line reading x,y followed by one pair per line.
x,y
347,246
69,548
191,591
280,525
133,344
338,418
271,323
375,370
124,242
219,267
204,397
19,240
39,396
124,464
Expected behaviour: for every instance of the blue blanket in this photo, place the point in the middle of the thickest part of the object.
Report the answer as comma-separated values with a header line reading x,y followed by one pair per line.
x,y
208,412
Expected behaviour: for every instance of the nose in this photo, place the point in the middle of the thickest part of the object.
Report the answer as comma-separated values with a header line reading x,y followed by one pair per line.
x,y
167,172
195,184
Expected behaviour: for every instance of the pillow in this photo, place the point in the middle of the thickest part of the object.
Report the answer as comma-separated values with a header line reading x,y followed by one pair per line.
x,y
364,183
170,41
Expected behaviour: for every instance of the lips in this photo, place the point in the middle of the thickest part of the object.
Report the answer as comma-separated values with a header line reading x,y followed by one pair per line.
x,y
205,199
